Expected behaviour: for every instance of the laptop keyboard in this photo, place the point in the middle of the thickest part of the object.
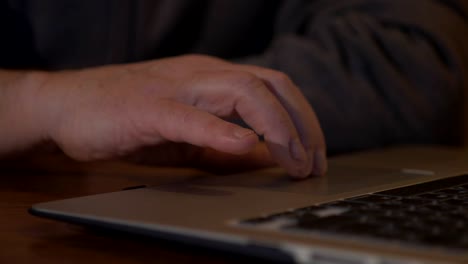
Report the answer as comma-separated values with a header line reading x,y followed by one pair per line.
x,y
427,214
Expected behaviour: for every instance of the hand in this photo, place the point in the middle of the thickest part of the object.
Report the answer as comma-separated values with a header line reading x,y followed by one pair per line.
x,y
114,110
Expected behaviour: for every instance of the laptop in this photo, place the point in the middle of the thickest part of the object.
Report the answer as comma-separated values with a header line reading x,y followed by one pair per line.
x,y
390,206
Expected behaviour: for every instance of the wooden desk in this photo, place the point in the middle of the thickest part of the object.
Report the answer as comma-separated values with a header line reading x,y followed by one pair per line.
x,y
28,239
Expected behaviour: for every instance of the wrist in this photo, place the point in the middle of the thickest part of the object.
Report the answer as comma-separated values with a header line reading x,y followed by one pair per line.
x,y
28,110
40,103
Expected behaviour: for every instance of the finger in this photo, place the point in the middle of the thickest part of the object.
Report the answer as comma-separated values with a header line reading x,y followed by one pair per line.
x,y
178,122
225,163
300,112
225,92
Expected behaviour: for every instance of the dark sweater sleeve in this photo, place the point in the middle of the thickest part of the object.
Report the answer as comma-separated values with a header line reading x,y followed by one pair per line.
x,y
377,72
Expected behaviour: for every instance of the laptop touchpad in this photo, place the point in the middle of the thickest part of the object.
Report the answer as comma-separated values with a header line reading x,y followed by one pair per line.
x,y
339,179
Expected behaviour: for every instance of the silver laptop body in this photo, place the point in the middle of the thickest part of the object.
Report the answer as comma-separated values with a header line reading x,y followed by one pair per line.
x,y
255,212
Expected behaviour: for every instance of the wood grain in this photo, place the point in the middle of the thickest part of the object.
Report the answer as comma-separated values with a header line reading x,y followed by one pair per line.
x,y
28,239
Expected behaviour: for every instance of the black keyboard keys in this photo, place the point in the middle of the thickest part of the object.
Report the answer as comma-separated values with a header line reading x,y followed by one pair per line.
x,y
428,214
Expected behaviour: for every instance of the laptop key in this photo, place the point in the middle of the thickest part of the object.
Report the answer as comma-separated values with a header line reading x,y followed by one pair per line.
x,y
331,223
307,210
371,198
436,196
456,202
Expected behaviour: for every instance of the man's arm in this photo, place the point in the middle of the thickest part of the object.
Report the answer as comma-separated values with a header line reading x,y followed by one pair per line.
x,y
111,111
377,72
22,120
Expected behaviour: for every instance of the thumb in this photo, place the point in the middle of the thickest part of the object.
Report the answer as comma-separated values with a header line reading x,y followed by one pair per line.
x,y
177,122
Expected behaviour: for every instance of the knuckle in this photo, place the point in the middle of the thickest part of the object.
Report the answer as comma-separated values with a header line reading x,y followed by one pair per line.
x,y
280,78
245,81
215,126
193,120
189,116
193,57
199,58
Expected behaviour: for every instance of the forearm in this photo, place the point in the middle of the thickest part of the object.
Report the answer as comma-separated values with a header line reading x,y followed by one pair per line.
x,y
23,118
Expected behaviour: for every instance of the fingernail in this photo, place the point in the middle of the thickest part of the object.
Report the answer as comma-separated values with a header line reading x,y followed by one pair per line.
x,y
320,163
242,133
296,150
